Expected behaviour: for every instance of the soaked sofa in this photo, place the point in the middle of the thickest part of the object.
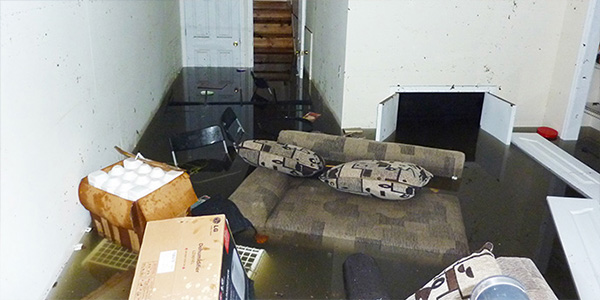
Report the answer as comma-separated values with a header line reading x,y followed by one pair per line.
x,y
284,206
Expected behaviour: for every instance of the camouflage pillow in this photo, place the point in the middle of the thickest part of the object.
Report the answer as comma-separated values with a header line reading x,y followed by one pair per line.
x,y
457,281
382,179
285,158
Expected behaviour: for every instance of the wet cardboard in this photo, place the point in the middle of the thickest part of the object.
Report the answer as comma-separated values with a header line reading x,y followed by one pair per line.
x,y
189,258
123,221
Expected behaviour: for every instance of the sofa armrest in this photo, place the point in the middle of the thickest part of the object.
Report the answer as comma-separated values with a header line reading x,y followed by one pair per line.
x,y
525,271
259,194
337,149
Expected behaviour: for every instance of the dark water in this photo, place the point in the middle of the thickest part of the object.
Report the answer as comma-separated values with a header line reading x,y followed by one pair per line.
x,y
502,196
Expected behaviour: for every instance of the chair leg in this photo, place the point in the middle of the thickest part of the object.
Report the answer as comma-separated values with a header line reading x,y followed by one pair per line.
x,y
225,147
174,158
241,128
272,92
253,94
240,132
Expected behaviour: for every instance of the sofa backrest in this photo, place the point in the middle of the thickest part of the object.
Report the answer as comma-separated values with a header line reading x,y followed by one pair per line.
x,y
338,149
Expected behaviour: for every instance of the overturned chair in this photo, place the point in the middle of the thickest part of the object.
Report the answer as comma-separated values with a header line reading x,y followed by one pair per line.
x,y
290,207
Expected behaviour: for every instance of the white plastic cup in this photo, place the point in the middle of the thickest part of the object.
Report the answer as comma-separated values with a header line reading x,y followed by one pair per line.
x,y
142,180
144,169
155,185
170,176
157,173
97,178
111,184
130,176
116,171
123,190
132,163
138,192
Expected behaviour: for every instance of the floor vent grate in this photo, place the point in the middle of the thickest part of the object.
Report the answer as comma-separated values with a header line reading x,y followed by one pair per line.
x,y
111,255
250,259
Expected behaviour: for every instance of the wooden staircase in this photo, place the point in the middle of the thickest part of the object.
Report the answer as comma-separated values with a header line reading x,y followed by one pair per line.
x,y
273,40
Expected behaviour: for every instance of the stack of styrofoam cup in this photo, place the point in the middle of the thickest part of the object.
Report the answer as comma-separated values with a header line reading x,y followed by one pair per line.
x,y
133,180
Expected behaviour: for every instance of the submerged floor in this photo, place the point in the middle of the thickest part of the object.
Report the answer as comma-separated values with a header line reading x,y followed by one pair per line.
x,y
502,196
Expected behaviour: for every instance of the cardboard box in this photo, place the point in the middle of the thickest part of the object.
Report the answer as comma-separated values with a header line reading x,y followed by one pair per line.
x,y
189,258
123,221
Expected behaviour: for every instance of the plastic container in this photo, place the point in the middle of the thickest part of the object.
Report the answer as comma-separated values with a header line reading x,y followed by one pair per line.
x,y
547,133
499,288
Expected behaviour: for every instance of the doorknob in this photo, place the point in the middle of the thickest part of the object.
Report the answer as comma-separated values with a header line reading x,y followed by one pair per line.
x,y
235,43
305,52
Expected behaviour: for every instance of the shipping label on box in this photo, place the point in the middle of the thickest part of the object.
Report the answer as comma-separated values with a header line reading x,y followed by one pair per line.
x,y
189,258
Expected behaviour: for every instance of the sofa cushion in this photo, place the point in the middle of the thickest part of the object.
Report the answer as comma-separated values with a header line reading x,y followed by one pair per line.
x,y
432,223
285,158
382,179
457,281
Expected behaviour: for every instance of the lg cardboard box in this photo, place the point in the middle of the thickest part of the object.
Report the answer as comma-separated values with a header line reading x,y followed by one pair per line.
x,y
123,221
189,258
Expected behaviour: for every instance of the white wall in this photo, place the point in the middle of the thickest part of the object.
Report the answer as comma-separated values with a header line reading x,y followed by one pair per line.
x,y
78,77
327,21
511,44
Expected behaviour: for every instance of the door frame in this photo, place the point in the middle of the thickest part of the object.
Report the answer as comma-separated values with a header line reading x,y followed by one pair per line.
x,y
580,88
307,56
299,11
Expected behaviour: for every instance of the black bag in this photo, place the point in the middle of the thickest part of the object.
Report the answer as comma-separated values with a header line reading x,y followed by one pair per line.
x,y
219,205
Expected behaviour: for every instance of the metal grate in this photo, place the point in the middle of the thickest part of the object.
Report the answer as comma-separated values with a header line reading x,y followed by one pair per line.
x,y
111,255
250,258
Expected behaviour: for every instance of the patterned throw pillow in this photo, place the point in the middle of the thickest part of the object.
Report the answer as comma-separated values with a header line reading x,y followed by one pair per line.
x,y
457,281
289,159
382,179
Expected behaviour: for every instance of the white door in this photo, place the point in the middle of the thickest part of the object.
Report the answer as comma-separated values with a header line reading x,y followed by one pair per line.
x,y
498,117
213,33
578,224
387,118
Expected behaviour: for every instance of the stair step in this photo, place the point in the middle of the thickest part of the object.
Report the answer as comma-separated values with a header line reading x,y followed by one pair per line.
x,y
272,16
272,29
273,51
274,43
273,58
274,76
272,67
280,5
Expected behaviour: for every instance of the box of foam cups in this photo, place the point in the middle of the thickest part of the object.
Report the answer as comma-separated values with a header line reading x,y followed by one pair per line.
x,y
124,196
132,180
